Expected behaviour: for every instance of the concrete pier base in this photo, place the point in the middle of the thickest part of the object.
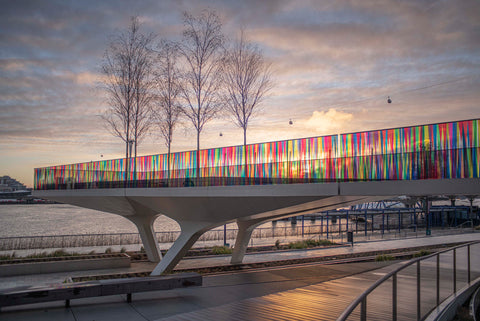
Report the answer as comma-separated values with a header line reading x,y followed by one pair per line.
x,y
245,229
144,225
191,231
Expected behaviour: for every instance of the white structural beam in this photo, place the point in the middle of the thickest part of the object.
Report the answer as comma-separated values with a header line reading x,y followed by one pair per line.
x,y
198,209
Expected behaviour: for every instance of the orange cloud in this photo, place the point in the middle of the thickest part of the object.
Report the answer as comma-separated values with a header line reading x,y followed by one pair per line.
x,y
329,122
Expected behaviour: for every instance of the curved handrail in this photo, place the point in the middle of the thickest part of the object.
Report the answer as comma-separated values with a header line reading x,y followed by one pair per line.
x,y
362,298
465,223
475,304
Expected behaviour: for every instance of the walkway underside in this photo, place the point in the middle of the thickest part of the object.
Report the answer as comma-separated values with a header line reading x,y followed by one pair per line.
x,y
198,209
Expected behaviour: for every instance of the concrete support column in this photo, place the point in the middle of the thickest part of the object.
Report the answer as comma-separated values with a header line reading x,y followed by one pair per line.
x,y
145,228
191,231
245,229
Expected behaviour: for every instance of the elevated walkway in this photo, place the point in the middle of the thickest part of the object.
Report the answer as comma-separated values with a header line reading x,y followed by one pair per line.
x,y
198,209
261,182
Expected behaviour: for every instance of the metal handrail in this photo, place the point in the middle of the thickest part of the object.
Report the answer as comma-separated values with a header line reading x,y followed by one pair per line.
x,y
465,223
475,305
362,299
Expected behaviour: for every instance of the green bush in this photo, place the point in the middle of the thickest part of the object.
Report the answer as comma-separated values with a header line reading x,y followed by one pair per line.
x,y
108,250
297,245
123,250
277,244
422,253
325,243
221,250
309,243
60,252
385,257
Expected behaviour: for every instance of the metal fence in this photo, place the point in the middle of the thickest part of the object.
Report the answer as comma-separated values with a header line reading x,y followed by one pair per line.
x,y
435,278
385,225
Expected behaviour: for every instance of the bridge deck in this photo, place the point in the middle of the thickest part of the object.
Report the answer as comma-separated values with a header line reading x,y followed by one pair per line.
x,y
326,301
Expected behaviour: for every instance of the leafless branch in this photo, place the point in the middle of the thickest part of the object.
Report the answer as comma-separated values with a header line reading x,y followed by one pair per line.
x,y
247,79
127,68
168,86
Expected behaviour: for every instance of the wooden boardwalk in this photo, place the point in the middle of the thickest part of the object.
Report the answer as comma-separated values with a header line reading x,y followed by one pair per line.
x,y
327,300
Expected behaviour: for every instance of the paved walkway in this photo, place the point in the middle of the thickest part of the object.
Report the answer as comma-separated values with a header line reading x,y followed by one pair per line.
x,y
211,261
316,291
357,248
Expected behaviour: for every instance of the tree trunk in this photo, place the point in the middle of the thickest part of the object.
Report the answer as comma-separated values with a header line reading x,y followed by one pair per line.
x,y
168,160
198,158
127,158
245,151
135,164
126,165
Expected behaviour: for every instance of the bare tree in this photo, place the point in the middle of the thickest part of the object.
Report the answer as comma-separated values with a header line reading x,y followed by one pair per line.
x,y
168,89
247,80
127,69
202,51
143,88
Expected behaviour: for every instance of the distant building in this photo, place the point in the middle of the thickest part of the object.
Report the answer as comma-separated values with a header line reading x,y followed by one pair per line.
x,y
10,188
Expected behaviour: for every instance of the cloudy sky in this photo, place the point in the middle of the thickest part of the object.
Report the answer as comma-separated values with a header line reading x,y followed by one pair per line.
x,y
334,62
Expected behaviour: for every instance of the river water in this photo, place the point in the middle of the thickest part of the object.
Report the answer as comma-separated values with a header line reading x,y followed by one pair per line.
x,y
63,219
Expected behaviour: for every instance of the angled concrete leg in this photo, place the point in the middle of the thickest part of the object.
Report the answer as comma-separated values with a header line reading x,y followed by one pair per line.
x,y
245,229
145,228
191,231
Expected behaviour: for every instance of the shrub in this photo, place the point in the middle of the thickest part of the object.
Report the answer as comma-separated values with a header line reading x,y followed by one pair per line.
x,y
221,250
309,243
142,250
385,257
277,244
297,245
123,250
422,253
108,250
325,243
60,252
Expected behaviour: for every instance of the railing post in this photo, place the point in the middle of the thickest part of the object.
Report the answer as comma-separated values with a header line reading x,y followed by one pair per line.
x,y
394,297
438,280
454,270
363,309
468,258
327,225
419,316
303,226
321,225
383,222
366,226
347,221
225,235
372,224
399,222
